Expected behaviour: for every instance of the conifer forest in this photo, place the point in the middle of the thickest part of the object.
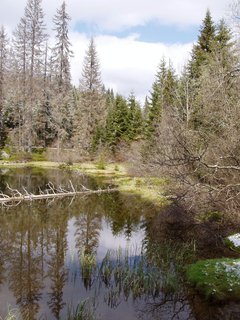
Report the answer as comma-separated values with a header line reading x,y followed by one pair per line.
x,y
182,142
188,126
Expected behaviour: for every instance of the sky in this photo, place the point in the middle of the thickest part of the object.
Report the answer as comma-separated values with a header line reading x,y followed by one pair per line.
x,y
132,36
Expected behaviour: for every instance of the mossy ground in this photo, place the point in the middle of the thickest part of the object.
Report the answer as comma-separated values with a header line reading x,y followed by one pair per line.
x,y
217,279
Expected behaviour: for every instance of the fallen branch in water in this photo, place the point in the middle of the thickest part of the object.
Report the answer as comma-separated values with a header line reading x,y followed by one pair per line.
x,y
15,196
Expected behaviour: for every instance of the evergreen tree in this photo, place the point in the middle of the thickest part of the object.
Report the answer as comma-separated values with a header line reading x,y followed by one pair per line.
x,y
169,88
3,63
135,118
92,108
117,124
61,50
156,100
62,102
203,47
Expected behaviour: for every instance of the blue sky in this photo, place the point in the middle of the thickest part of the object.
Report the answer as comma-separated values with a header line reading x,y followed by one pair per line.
x,y
131,36
152,31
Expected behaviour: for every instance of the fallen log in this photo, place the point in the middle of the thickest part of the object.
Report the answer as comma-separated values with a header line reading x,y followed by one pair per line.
x,y
16,196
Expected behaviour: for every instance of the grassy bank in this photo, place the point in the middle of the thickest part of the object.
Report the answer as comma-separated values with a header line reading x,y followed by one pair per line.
x,y
149,189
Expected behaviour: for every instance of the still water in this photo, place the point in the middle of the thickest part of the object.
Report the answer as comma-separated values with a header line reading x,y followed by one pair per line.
x,y
95,254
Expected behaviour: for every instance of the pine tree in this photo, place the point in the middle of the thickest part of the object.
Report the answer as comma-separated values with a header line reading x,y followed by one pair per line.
x,y
92,107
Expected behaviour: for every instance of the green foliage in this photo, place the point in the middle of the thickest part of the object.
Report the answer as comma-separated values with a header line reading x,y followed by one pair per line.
x,y
101,164
117,124
216,278
211,216
39,154
162,97
21,156
135,118
203,46
84,311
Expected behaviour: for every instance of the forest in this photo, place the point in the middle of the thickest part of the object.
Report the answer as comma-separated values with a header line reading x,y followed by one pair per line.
x,y
188,128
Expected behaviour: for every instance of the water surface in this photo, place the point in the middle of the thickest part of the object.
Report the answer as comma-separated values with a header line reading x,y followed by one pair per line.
x,y
55,255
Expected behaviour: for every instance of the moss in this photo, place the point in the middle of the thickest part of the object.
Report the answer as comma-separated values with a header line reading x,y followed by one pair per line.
x,y
210,216
218,279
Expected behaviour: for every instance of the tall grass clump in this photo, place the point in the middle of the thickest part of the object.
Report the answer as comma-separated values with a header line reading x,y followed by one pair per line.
x,y
83,311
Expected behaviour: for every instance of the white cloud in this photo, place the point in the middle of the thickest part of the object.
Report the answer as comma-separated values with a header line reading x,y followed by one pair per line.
x,y
118,14
128,64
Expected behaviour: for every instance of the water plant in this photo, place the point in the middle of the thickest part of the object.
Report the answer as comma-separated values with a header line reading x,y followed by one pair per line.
x,y
88,265
83,311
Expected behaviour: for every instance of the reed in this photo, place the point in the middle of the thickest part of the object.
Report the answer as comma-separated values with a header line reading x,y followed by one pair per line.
x,y
83,311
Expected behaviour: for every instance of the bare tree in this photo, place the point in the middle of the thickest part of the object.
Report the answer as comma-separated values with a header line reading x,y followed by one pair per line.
x,y
29,45
3,58
61,77
203,157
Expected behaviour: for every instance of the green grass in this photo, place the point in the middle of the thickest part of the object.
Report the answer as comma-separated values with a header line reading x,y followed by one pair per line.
x,y
84,311
218,279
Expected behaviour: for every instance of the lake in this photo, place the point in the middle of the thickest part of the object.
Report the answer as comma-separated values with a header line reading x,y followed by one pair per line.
x,y
93,257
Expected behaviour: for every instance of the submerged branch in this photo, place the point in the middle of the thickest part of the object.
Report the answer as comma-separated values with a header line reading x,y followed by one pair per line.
x,y
15,196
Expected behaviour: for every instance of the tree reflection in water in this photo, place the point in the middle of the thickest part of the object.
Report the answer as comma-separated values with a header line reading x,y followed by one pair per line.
x,y
56,255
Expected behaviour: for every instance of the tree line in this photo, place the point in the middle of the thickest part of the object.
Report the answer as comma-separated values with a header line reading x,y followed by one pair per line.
x,y
38,104
189,124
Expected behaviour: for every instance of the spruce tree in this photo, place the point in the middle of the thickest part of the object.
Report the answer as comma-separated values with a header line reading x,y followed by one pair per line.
x,y
134,117
62,101
61,51
203,46
117,124
156,100
92,108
